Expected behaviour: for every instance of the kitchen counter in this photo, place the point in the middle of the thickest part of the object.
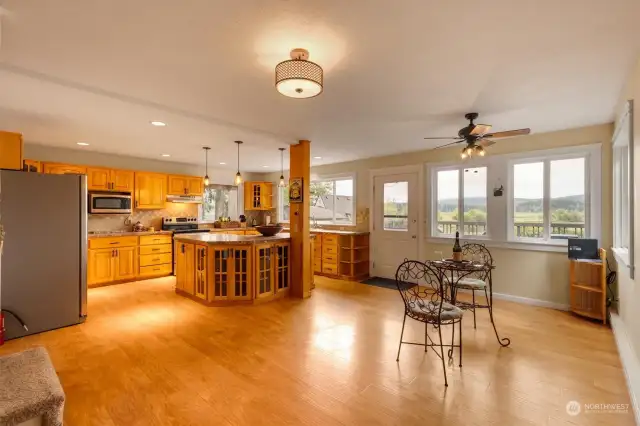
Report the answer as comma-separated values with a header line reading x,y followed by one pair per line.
x,y
127,234
216,239
331,231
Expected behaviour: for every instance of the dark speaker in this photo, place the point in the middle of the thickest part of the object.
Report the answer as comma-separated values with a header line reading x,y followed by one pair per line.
x,y
582,248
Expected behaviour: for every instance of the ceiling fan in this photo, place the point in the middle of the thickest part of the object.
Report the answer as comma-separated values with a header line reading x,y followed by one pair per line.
x,y
476,136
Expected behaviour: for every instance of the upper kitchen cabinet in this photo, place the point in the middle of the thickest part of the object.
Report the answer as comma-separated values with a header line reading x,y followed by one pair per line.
x,y
257,195
31,166
64,169
11,151
185,185
150,191
100,179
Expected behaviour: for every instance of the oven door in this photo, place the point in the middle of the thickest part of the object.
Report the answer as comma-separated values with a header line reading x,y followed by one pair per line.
x,y
109,203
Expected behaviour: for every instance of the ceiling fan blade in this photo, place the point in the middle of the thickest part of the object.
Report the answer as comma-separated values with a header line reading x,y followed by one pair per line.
x,y
485,143
509,133
480,129
456,137
449,144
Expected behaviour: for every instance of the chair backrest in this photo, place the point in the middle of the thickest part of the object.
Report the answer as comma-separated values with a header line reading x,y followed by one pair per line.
x,y
478,252
420,289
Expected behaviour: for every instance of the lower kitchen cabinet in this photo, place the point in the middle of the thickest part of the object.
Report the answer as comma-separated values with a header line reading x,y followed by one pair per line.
x,y
201,272
126,263
110,265
264,270
185,267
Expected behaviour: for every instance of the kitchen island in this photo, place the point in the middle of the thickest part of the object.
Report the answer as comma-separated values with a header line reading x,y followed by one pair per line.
x,y
221,269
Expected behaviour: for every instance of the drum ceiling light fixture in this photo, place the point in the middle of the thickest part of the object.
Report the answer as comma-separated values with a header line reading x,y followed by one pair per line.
x,y
298,77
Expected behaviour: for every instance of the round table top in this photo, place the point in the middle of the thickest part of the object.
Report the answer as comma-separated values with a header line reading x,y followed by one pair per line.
x,y
465,265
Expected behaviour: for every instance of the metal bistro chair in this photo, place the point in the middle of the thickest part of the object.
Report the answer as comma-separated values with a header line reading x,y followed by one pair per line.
x,y
422,292
476,281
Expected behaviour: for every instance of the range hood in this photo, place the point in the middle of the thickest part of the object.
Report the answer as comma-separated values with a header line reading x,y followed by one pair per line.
x,y
185,199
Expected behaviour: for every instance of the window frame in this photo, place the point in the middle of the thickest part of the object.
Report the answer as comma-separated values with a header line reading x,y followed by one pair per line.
x,y
333,178
623,222
230,188
434,200
280,207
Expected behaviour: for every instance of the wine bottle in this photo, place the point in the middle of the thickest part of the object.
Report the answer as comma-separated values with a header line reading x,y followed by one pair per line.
x,y
457,250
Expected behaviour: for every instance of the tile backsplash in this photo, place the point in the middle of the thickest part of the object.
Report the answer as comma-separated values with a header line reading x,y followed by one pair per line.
x,y
98,222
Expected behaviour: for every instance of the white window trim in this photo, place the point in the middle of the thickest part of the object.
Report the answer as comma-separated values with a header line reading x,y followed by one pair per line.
x,y
625,256
334,177
280,210
498,172
239,206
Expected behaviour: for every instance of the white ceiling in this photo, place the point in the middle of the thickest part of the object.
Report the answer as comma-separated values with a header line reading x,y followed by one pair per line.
x,y
395,71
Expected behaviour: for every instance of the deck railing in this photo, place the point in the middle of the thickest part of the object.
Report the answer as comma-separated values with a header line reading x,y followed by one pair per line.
x,y
520,229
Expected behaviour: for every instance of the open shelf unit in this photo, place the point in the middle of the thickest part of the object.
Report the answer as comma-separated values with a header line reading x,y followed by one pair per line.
x,y
354,255
588,287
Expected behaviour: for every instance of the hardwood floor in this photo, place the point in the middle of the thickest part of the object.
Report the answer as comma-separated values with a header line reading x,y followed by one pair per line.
x,y
148,357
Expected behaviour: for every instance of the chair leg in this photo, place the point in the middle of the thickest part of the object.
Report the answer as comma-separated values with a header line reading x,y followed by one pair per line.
x,y
473,296
404,319
460,338
426,336
444,369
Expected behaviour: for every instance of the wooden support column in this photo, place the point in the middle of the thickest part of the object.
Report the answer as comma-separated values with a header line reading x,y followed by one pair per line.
x,y
300,257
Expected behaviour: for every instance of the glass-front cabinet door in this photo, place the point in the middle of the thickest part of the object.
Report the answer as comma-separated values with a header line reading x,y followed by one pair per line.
x,y
282,272
264,270
201,272
240,287
221,272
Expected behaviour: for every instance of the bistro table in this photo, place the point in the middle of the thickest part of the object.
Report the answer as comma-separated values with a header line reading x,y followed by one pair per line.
x,y
450,272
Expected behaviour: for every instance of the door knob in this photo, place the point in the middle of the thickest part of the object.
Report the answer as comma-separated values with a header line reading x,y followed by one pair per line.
x,y
414,237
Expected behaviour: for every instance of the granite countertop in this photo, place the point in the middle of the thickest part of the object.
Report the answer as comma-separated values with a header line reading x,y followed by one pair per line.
x,y
29,388
331,231
214,239
127,234
248,228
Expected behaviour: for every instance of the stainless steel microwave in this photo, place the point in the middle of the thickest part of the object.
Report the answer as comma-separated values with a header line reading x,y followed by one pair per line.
x,y
109,203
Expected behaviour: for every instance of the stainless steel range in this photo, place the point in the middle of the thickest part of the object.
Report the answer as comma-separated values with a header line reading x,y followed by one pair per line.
x,y
181,225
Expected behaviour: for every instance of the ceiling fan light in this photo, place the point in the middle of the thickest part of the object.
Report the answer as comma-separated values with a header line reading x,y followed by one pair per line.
x,y
480,151
463,154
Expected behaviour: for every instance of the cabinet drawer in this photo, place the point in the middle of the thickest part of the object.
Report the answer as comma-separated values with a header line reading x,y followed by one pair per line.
x,y
317,265
155,249
146,240
155,270
155,259
112,242
331,239
329,250
329,268
330,258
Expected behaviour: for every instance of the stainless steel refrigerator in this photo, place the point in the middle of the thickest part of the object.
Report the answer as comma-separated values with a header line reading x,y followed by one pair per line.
x,y
43,273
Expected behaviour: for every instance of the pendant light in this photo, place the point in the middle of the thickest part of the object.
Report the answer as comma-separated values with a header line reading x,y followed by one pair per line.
x,y
282,183
206,165
238,180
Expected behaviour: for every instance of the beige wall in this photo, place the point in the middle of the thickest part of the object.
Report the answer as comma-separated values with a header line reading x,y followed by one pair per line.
x,y
531,274
629,290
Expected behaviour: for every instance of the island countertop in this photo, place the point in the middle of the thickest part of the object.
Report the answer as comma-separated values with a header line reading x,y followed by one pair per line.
x,y
215,238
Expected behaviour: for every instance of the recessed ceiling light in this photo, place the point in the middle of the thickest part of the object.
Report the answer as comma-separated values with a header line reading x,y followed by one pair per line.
x,y
166,155
83,144
265,166
317,158
158,123
222,164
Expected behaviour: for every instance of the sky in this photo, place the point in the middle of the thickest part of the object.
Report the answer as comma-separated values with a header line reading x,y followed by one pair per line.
x,y
567,178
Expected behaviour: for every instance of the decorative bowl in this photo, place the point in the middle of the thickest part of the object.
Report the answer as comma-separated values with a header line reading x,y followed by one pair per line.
x,y
269,230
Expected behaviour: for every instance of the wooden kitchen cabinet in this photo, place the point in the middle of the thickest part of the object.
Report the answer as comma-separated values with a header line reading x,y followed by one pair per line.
x,y
11,151
264,270
64,169
258,195
240,287
100,266
150,191
185,267
184,185
126,263
282,272
31,166
101,179
201,290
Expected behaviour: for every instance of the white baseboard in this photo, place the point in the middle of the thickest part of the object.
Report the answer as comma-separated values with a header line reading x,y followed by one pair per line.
x,y
523,300
629,362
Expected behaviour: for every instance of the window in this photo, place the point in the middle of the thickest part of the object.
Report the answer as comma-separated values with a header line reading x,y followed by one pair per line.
x,y
396,206
623,190
332,201
219,201
461,189
549,199
283,204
